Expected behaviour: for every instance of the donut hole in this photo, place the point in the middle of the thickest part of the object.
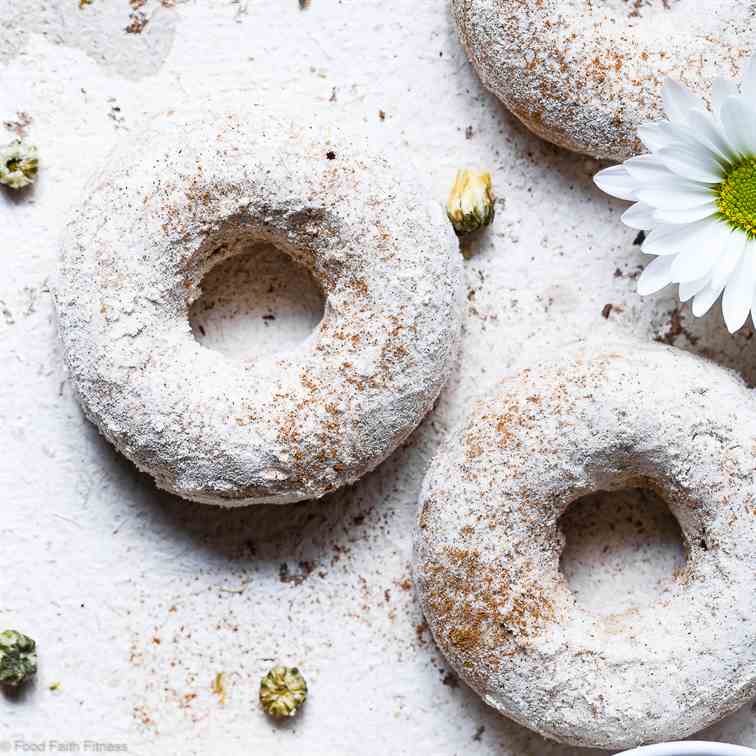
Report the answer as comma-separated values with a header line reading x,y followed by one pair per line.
x,y
623,550
258,302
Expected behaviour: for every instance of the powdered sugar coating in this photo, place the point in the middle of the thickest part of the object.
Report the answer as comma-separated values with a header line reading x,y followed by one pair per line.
x,y
584,74
488,544
288,426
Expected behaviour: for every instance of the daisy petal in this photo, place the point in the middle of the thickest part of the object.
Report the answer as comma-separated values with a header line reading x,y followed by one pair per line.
x,y
654,136
691,288
668,134
617,182
748,84
680,196
722,89
733,251
648,169
738,119
678,101
708,131
702,253
697,165
639,216
738,295
705,298
685,216
656,275
669,239
688,135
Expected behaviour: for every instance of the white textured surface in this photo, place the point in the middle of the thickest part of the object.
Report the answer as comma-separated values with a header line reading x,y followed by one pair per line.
x,y
585,74
488,544
98,564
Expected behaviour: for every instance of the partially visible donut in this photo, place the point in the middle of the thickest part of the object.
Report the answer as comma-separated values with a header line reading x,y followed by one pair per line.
x,y
584,74
291,426
488,543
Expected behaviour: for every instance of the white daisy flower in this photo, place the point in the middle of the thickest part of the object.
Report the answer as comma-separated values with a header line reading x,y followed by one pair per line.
x,y
695,193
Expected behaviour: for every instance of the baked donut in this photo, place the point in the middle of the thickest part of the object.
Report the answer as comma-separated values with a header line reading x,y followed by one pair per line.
x,y
488,542
285,427
584,74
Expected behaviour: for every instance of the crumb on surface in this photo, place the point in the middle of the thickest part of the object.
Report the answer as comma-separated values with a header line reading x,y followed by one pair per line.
x,y
219,688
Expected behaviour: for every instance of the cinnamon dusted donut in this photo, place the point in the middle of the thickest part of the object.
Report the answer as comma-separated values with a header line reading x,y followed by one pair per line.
x,y
286,427
584,74
488,544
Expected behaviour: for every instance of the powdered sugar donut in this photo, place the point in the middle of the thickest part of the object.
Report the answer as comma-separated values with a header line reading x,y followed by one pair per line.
x,y
488,544
289,426
585,74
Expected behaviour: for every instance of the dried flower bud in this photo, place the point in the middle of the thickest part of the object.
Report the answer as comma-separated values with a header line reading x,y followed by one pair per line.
x,y
18,658
18,164
471,202
282,691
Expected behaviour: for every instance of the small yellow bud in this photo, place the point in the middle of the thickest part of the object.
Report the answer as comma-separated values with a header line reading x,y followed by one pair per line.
x,y
282,691
471,202
18,164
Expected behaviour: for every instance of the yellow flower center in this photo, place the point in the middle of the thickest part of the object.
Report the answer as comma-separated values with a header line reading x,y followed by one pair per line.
x,y
736,196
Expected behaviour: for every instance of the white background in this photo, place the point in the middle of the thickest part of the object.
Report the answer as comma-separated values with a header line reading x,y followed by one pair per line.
x,y
139,599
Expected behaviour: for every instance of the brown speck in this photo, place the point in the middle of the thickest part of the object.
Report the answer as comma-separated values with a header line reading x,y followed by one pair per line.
x,y
304,4
331,155
285,576
466,639
141,715
469,132
479,734
676,329
20,125
382,115
420,629
137,23
640,238
450,680
219,688
607,310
